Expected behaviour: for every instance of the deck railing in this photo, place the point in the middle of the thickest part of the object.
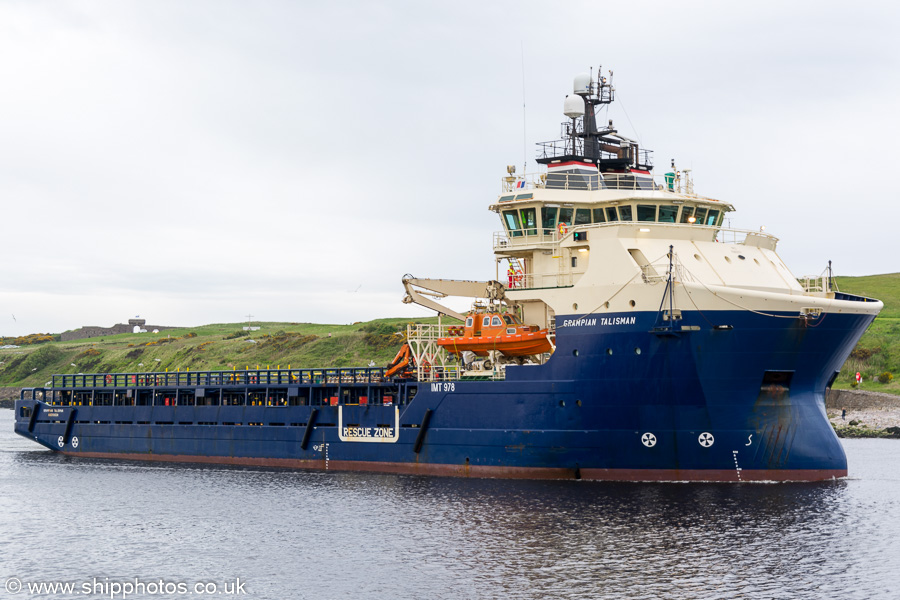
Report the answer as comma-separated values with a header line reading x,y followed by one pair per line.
x,y
550,238
679,184
251,377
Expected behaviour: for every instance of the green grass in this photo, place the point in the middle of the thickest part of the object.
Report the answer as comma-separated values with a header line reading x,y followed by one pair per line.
x,y
209,347
878,351
881,287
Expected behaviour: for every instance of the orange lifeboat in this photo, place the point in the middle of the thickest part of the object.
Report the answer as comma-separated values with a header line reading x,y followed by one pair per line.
x,y
490,331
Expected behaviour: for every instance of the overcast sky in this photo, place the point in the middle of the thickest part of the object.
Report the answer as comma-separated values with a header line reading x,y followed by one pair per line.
x,y
196,162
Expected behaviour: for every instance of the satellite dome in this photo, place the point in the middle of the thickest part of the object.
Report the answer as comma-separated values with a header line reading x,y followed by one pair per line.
x,y
582,84
573,106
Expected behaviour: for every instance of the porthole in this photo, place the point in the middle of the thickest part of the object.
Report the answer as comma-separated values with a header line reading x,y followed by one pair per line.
x,y
562,403
637,350
697,256
728,259
632,303
756,261
609,351
606,305
575,306
742,257
575,352
578,403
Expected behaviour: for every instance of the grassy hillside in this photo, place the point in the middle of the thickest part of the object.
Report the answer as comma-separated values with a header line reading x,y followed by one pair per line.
x,y
210,347
878,352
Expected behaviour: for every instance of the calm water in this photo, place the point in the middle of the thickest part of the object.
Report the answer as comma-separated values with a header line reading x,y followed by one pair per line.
x,y
322,536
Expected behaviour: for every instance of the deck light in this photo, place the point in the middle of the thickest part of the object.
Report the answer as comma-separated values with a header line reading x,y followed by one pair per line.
x,y
644,229
692,220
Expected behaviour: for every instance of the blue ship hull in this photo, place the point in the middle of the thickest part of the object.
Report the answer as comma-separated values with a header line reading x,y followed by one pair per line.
x,y
730,396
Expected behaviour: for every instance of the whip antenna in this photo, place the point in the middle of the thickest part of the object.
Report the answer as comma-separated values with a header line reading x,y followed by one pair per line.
x,y
524,120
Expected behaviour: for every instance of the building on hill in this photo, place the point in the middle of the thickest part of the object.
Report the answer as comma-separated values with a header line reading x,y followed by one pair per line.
x,y
89,331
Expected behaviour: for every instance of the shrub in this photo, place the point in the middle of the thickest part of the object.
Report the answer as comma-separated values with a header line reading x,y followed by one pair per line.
x,y
885,377
860,353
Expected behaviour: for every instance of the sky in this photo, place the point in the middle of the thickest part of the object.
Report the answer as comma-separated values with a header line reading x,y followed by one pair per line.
x,y
198,162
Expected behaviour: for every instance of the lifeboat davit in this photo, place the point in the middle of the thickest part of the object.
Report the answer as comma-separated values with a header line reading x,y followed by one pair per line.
x,y
494,331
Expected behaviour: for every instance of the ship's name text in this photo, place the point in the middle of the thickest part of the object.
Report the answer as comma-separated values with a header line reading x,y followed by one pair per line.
x,y
603,321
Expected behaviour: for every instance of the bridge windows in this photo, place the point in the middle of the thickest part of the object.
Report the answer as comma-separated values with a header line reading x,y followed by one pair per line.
x,y
548,218
511,219
646,213
700,213
529,221
667,213
582,216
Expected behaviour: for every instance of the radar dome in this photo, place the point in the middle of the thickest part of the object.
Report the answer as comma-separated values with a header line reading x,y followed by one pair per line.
x,y
573,106
582,84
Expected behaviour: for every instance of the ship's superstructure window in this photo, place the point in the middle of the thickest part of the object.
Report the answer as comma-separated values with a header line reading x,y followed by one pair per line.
x,y
529,222
667,213
625,213
646,212
512,222
565,215
711,217
611,214
496,322
469,321
583,216
598,215
548,218
701,216
486,322
686,213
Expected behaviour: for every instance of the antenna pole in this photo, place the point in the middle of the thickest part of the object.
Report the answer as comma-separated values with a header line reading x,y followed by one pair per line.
x,y
524,120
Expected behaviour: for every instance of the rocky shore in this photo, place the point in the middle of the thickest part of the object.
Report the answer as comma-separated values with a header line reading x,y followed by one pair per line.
x,y
868,414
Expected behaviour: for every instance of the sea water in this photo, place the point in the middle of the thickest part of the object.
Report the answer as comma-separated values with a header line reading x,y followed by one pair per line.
x,y
120,529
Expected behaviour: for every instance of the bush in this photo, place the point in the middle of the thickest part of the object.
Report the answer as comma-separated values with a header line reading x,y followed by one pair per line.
x,y
885,377
860,353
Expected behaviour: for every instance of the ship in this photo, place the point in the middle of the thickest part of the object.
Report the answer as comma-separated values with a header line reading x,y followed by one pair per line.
x,y
664,346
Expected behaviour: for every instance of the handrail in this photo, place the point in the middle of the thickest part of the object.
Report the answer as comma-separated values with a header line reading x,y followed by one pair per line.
x,y
536,237
247,377
680,183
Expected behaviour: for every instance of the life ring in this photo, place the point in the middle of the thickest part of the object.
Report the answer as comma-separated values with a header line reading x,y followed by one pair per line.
x,y
563,228
109,379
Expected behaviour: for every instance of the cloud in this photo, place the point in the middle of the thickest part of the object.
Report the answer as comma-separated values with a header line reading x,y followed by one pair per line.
x,y
207,159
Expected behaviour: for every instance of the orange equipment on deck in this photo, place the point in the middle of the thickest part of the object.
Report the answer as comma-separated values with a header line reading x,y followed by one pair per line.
x,y
403,364
488,331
